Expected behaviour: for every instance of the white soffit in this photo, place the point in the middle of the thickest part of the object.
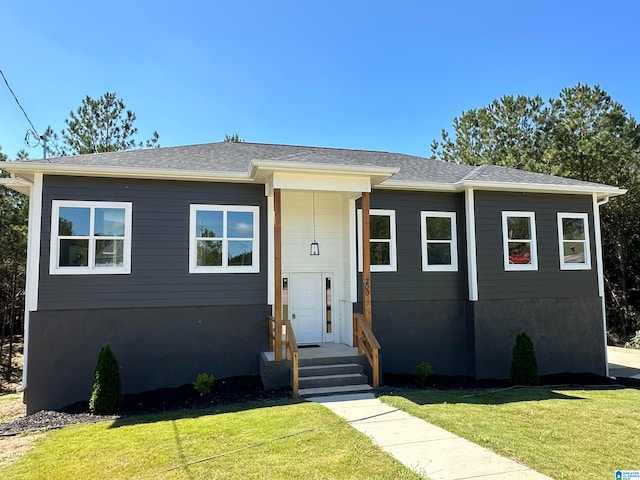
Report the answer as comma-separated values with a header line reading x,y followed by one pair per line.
x,y
17,184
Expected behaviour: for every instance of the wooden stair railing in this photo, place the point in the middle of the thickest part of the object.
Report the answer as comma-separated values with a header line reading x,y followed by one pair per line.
x,y
291,349
367,343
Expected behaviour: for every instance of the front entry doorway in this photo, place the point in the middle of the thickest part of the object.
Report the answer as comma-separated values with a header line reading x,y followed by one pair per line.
x,y
306,309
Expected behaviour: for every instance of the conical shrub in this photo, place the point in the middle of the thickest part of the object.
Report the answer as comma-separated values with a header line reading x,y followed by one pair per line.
x,y
524,366
106,396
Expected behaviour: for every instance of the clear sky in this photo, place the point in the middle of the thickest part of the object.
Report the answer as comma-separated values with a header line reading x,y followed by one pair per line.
x,y
368,74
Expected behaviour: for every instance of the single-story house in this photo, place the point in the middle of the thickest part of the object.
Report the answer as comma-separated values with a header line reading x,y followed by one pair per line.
x,y
177,256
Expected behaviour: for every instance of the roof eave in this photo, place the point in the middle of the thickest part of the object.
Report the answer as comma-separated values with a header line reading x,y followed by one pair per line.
x,y
27,170
603,191
18,184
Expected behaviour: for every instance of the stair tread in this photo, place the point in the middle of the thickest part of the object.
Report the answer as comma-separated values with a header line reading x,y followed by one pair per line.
x,y
329,365
335,390
335,375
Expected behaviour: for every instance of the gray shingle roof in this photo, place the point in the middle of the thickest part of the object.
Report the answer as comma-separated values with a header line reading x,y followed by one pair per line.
x,y
236,158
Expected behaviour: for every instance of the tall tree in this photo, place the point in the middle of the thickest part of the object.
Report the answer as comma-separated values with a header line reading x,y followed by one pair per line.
x,y
582,134
235,138
13,235
99,125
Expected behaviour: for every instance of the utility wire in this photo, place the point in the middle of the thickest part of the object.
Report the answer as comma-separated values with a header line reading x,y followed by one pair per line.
x,y
34,131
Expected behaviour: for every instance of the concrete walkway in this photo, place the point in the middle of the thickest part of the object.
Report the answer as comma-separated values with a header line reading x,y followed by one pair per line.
x,y
432,452
624,362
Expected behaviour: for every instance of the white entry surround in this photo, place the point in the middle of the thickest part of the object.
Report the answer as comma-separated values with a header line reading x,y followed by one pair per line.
x,y
335,192
332,234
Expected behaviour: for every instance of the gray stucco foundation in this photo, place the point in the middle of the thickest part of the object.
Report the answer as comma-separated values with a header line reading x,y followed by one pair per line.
x,y
567,334
156,347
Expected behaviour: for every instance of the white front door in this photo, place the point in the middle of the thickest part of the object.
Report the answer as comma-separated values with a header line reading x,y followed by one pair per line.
x,y
307,307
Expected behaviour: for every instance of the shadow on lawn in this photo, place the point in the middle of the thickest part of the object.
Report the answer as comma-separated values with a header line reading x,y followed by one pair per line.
x,y
228,395
456,390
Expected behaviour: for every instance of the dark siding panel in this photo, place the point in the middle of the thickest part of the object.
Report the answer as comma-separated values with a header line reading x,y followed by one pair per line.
x,y
155,347
548,281
160,247
413,332
409,282
567,334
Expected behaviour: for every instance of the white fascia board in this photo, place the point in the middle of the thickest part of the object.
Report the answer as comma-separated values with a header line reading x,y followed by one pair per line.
x,y
261,171
422,186
603,191
29,169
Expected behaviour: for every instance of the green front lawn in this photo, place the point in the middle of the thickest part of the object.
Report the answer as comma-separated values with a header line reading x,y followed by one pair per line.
x,y
565,434
258,441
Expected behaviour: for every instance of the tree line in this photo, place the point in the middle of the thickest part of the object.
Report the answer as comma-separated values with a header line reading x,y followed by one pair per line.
x,y
582,134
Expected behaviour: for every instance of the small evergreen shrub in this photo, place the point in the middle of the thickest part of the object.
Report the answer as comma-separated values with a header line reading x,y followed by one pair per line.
x,y
424,371
524,366
106,396
203,383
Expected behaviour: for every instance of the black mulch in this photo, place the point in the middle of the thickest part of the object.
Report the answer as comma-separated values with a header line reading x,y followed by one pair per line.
x,y
249,389
224,392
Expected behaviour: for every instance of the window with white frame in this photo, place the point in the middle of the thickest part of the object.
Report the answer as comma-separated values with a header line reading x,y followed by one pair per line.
x,y
573,241
519,241
224,239
90,237
382,228
439,241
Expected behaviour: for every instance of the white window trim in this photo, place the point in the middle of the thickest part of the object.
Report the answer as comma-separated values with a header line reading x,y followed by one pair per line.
x,y
255,242
392,267
453,243
55,269
505,242
587,247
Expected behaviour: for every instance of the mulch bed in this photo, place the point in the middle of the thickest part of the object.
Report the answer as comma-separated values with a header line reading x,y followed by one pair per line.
x,y
249,389
224,392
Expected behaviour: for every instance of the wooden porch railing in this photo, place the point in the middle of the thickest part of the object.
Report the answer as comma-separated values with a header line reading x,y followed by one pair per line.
x,y
367,343
291,348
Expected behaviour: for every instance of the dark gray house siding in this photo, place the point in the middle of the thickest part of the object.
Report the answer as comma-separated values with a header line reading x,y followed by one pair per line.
x,y
559,309
164,324
159,248
420,316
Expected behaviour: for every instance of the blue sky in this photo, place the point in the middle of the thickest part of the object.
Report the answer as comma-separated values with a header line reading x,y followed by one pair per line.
x,y
379,75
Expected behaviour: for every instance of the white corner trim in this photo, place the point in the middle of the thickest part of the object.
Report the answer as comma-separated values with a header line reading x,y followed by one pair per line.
x,y
472,259
353,252
271,267
598,239
33,248
600,269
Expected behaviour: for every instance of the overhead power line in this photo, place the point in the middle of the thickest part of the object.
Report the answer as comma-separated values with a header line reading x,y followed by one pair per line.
x,y
33,130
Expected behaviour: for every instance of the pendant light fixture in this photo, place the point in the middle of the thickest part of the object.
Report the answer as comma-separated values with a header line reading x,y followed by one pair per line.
x,y
315,248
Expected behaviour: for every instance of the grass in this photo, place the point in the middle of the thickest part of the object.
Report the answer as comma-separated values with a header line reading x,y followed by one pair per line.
x,y
565,434
11,407
263,440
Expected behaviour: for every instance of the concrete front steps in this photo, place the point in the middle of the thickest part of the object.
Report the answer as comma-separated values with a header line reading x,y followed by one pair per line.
x,y
331,376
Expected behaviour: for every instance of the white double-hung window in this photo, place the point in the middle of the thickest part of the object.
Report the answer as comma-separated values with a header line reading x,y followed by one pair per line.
x,y
519,241
224,239
382,243
90,237
573,241
439,241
